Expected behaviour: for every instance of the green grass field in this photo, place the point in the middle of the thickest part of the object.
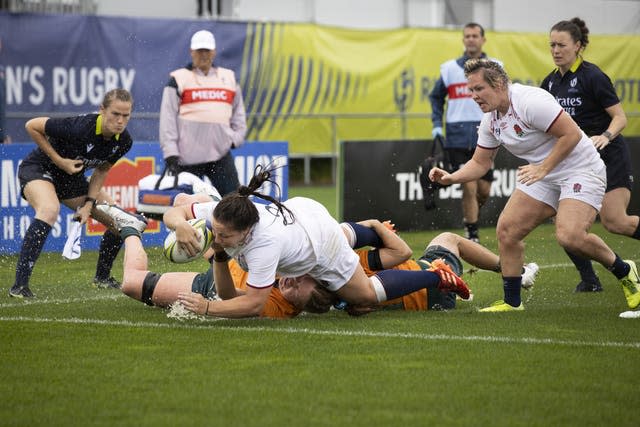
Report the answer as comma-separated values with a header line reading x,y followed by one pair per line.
x,y
78,356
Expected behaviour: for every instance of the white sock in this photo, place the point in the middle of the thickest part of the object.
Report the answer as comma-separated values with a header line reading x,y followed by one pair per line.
x,y
381,295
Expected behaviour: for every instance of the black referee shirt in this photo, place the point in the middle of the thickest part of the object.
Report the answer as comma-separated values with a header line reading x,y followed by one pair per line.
x,y
80,137
584,92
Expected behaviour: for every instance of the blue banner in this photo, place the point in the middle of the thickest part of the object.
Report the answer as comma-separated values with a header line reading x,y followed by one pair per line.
x,y
66,63
144,158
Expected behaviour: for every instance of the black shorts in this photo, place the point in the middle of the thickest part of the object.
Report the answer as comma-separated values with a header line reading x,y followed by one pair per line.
x,y
67,186
460,156
618,161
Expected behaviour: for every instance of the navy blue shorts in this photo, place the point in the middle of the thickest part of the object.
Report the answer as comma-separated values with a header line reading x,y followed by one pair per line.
x,y
222,173
460,156
67,186
618,161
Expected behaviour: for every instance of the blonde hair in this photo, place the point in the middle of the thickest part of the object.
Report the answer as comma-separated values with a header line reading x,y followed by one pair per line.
x,y
493,72
119,94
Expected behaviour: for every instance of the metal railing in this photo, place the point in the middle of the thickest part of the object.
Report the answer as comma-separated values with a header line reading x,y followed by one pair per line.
x,y
332,117
306,157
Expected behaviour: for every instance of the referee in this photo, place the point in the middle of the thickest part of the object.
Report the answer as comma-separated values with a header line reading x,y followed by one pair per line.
x,y
587,94
55,172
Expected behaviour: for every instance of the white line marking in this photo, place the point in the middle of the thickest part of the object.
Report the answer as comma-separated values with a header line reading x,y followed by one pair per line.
x,y
338,332
38,301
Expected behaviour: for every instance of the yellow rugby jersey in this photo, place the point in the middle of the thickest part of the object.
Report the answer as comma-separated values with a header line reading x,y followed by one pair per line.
x,y
276,307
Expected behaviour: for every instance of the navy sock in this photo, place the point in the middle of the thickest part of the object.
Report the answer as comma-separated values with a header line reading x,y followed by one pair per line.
x,y
32,244
472,230
109,248
129,231
397,283
365,236
619,268
587,274
512,287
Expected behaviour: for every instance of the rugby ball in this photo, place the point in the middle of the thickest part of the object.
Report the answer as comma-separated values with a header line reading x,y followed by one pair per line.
x,y
174,253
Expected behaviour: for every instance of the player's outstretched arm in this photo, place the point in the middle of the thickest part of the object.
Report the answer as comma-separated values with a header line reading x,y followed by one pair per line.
x,y
394,250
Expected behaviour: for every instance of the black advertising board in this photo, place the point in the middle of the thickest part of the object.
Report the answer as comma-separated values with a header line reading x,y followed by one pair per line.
x,y
380,179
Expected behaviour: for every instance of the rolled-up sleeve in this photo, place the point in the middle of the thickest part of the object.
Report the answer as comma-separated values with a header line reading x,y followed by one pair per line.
x,y
168,131
238,122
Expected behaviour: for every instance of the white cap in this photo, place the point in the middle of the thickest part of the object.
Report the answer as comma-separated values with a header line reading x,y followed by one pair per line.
x,y
203,39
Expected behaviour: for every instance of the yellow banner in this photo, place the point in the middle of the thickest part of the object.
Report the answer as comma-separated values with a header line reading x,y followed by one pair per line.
x,y
314,86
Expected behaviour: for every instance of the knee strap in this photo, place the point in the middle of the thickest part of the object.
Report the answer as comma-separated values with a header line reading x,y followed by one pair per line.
x,y
149,286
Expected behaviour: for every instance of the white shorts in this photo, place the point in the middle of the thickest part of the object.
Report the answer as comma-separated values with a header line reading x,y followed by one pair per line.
x,y
588,187
336,262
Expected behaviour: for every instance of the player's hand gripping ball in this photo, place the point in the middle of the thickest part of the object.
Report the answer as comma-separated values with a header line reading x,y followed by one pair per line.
x,y
174,253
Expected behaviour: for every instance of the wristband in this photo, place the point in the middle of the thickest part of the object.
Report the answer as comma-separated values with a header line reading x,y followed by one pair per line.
x,y
221,257
607,134
89,199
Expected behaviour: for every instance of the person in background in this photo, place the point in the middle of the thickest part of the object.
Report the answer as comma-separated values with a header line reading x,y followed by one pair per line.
x,y
588,96
463,118
565,177
54,172
202,117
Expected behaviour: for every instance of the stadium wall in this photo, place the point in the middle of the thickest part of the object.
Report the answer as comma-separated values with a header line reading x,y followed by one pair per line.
x,y
603,16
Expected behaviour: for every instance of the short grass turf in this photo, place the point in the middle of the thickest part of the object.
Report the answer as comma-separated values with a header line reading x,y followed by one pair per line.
x,y
81,356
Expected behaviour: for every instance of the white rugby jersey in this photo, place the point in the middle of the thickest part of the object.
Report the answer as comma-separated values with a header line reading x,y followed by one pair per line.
x,y
522,131
272,247
204,211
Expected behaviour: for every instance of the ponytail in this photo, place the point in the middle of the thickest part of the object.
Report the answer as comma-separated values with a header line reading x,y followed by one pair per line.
x,y
237,210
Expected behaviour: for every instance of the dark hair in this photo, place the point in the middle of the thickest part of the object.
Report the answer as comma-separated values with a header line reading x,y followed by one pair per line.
x,y
119,94
238,211
494,74
321,300
474,25
576,28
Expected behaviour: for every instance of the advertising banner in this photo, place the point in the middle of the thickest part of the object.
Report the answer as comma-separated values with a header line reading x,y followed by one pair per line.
x,y
307,84
50,68
293,71
380,179
144,158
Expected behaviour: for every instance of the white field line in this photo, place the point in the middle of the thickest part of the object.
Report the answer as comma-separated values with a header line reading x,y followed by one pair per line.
x,y
339,333
50,301
343,333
